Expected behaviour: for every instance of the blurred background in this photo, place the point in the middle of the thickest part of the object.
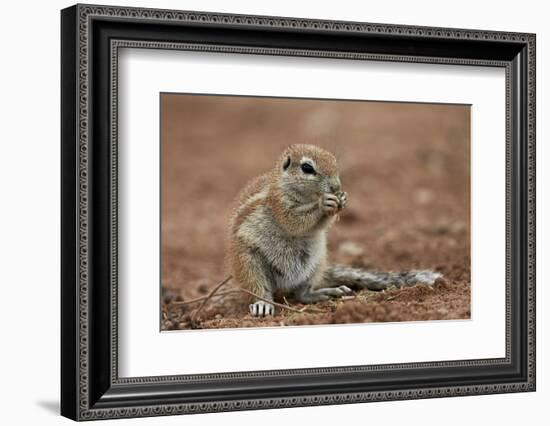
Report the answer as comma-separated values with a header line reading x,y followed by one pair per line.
x,y
405,166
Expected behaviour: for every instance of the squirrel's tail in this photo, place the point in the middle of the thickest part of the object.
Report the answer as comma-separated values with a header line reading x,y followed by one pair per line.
x,y
361,279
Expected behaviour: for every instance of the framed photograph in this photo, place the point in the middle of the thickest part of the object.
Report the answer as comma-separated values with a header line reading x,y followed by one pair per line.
x,y
263,212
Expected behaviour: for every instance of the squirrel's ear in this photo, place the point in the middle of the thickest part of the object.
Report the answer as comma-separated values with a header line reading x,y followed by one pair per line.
x,y
286,163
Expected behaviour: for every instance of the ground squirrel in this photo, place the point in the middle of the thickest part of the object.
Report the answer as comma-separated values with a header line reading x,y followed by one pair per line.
x,y
277,235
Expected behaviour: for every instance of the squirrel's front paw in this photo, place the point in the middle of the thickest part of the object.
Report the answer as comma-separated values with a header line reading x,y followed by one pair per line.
x,y
342,198
330,203
261,309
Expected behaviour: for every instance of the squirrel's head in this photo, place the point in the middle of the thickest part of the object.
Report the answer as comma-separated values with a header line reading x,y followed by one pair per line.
x,y
308,171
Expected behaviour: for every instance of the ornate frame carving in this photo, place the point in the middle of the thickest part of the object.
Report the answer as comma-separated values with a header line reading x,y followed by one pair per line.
x,y
91,388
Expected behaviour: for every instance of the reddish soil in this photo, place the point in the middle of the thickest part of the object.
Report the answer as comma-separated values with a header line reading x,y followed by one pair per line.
x,y
406,168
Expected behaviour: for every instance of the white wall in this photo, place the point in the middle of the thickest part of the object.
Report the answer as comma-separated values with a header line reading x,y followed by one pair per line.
x,y
29,225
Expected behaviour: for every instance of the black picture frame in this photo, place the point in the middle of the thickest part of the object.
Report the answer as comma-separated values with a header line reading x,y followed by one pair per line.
x,y
90,386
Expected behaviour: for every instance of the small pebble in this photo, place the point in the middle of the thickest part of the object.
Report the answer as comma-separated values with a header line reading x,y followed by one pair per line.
x,y
424,196
351,248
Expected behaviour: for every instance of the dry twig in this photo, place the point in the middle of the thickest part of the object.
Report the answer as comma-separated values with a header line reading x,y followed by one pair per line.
x,y
272,302
201,298
214,290
214,293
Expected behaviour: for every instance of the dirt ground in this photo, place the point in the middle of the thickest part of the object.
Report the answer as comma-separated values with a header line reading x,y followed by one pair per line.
x,y
406,168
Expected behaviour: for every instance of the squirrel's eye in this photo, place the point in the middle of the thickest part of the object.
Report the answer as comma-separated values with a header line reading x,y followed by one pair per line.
x,y
308,169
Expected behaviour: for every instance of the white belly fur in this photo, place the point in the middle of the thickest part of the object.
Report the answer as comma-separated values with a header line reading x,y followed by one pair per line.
x,y
296,272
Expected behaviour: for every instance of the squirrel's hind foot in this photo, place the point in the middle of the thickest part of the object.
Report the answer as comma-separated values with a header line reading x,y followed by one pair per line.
x,y
309,295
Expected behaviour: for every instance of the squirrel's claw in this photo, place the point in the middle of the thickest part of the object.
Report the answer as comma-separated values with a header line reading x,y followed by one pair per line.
x,y
261,309
343,199
340,291
332,203
346,291
329,203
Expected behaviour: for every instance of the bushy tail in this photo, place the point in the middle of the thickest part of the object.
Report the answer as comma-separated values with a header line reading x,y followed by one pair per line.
x,y
356,278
